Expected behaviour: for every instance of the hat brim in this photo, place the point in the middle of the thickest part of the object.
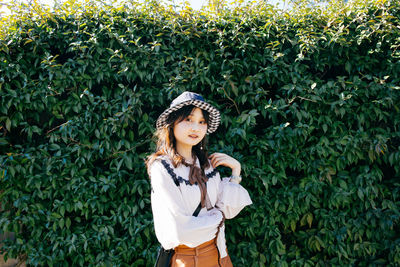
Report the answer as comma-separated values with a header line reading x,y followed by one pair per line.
x,y
214,119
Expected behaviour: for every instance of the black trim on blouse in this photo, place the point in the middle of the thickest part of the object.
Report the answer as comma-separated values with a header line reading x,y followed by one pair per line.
x,y
178,179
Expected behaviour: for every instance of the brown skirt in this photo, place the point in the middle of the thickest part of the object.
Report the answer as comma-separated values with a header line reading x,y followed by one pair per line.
x,y
204,255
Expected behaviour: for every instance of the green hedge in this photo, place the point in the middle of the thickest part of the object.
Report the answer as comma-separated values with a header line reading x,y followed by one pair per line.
x,y
310,104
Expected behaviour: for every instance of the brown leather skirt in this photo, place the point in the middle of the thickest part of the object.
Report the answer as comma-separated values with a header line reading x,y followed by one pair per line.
x,y
204,255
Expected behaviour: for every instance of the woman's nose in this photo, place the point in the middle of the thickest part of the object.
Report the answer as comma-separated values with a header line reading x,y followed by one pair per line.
x,y
195,127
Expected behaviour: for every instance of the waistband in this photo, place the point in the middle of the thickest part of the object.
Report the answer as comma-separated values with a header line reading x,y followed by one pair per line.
x,y
200,249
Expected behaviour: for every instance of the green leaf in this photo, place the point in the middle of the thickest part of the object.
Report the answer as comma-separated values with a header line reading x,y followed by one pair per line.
x,y
348,67
8,124
128,162
54,147
56,215
61,223
293,226
68,222
309,219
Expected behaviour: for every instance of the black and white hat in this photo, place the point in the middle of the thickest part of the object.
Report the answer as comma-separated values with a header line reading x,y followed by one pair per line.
x,y
190,98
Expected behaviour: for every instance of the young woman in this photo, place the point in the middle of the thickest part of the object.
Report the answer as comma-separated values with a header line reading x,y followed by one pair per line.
x,y
184,178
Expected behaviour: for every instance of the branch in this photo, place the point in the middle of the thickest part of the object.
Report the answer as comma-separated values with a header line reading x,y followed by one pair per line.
x,y
233,101
302,98
56,127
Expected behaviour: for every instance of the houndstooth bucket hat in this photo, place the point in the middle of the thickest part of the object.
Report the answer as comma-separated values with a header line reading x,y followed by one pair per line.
x,y
190,98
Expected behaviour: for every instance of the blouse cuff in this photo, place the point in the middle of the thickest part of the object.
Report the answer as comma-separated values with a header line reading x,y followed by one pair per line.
x,y
232,198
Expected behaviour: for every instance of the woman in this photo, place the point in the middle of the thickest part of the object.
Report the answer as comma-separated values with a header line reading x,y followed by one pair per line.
x,y
184,178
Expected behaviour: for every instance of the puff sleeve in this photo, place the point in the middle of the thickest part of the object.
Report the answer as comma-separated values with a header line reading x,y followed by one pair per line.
x,y
232,198
173,223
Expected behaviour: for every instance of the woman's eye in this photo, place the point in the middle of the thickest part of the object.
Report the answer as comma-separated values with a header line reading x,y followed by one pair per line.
x,y
187,119
203,122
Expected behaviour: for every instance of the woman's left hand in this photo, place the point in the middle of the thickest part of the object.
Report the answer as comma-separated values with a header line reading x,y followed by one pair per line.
x,y
218,159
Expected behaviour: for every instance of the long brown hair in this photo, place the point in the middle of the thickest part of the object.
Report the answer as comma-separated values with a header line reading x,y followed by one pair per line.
x,y
166,142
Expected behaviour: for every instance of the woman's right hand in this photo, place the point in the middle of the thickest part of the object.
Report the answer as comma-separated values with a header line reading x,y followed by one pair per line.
x,y
222,159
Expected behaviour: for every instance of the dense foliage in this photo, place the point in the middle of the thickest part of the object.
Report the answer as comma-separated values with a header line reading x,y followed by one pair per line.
x,y
310,104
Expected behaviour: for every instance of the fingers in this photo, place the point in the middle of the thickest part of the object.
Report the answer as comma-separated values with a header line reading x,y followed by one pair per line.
x,y
215,163
218,159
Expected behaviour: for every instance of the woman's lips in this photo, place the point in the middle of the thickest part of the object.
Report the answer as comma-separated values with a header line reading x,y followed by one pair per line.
x,y
193,136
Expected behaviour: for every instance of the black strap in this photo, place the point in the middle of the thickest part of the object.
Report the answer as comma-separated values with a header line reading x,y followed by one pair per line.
x,y
197,211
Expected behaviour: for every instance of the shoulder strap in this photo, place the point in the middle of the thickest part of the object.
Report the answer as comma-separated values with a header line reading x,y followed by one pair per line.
x,y
197,211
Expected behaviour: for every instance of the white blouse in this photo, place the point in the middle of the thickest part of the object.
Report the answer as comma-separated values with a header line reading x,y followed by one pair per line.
x,y
174,205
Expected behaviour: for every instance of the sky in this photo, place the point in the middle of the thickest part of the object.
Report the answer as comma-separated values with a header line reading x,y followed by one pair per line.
x,y
195,4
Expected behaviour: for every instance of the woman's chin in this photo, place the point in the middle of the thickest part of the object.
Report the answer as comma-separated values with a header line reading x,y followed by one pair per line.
x,y
193,142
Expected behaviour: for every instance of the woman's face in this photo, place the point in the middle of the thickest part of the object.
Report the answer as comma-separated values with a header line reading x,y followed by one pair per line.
x,y
191,130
